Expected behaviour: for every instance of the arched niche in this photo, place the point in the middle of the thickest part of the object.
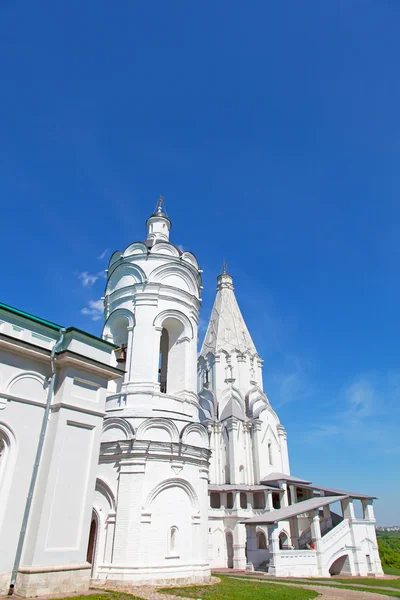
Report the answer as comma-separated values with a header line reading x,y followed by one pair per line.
x,y
175,275
124,275
116,430
158,430
195,434
28,385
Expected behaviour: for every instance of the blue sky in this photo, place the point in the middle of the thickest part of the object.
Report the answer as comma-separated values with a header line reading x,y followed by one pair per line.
x,y
273,131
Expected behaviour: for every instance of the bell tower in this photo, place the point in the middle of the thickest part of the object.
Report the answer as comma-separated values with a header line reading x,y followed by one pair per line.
x,y
153,468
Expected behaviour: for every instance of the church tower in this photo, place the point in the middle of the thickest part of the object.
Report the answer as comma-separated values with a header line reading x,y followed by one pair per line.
x,y
247,441
150,511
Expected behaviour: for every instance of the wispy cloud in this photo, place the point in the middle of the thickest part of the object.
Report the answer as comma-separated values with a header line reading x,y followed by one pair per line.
x,y
290,384
367,411
89,279
94,309
103,254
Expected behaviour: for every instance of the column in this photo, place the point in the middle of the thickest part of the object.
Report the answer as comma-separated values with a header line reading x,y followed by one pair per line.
x,y
294,531
284,496
232,428
249,473
293,493
129,362
348,509
268,500
239,546
368,510
251,532
284,449
274,551
108,549
316,538
256,458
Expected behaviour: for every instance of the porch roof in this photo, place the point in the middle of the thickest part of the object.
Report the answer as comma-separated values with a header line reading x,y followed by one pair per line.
x,y
274,477
293,510
333,492
239,487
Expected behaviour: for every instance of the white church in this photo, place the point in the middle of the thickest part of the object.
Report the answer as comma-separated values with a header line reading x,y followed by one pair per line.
x,y
132,459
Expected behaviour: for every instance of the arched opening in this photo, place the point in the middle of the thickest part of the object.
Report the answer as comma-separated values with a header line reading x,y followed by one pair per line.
x,y
340,565
283,541
261,540
229,500
163,361
172,357
229,549
92,541
241,474
243,500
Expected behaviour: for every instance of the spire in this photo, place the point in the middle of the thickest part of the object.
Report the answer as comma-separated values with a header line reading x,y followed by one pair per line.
x,y
158,224
226,329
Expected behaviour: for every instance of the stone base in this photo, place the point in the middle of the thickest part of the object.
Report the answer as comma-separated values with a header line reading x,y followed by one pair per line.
x,y
47,580
120,578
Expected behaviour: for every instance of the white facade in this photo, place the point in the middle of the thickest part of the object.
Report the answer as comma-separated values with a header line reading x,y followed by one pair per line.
x,y
156,464
260,516
151,501
55,546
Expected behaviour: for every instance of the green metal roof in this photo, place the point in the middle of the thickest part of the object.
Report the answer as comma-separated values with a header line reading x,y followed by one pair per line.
x,y
50,324
22,313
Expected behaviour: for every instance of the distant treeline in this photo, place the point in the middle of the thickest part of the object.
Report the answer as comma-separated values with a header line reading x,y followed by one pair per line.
x,y
389,549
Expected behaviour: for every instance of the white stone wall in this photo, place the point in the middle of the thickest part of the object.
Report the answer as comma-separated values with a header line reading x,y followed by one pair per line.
x,y
55,546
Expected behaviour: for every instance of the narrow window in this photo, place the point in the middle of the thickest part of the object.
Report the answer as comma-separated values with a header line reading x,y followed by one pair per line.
x,y
173,534
229,500
163,361
243,500
270,453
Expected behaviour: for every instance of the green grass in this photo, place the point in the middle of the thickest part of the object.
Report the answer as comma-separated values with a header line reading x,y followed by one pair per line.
x,y
108,596
367,588
391,571
371,582
236,589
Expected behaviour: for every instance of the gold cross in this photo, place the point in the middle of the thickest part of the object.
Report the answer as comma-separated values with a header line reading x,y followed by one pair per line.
x,y
224,266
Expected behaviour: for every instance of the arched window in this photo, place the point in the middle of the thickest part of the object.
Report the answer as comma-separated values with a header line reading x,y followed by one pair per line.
x,y
227,474
243,500
229,500
163,361
241,474
172,361
283,541
173,541
261,540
